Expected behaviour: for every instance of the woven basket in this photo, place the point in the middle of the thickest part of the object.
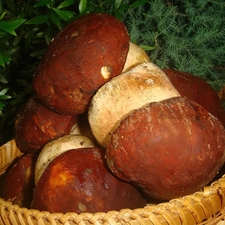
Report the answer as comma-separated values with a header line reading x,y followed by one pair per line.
x,y
203,207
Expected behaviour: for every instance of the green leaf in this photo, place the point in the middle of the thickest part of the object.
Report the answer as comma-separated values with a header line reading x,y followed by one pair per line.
x,y
123,8
118,15
38,53
117,3
3,97
38,20
64,14
3,79
54,18
147,47
3,14
10,26
82,5
65,4
42,3
3,91
2,105
4,59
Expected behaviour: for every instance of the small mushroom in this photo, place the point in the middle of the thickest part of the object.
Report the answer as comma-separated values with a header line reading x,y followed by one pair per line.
x,y
36,125
56,147
18,181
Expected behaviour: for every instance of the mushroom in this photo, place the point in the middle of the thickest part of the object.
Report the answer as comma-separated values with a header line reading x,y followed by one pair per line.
x,y
169,148
36,125
56,147
81,58
197,89
78,180
18,181
117,98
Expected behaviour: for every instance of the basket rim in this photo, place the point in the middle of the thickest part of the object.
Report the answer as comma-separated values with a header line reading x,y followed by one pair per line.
x,y
202,207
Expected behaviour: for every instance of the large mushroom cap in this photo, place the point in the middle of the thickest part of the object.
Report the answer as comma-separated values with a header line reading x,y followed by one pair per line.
x,y
169,148
81,58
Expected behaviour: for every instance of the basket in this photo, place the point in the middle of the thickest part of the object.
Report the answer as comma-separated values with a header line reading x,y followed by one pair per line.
x,y
204,207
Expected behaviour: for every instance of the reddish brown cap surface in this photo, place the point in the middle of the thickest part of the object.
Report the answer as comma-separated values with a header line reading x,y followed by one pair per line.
x,y
18,182
79,181
170,148
36,125
195,88
80,59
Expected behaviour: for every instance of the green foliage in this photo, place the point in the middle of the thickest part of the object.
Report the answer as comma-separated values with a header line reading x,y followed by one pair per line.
x,y
26,29
187,37
3,96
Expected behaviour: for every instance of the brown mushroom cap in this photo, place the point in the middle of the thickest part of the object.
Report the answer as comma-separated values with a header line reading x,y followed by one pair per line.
x,y
36,125
169,148
80,59
18,181
195,88
79,181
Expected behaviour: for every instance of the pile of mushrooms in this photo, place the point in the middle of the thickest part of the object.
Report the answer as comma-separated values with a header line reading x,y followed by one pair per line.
x,y
108,129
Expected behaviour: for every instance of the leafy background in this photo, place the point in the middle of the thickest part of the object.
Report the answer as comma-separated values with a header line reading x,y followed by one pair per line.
x,y
187,36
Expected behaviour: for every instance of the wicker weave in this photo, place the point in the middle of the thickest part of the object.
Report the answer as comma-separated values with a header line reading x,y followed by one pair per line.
x,y
8,152
204,207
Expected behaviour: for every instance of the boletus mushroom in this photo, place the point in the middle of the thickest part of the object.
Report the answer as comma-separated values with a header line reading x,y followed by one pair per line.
x,y
56,147
118,97
197,89
81,58
169,148
18,181
78,180
36,125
